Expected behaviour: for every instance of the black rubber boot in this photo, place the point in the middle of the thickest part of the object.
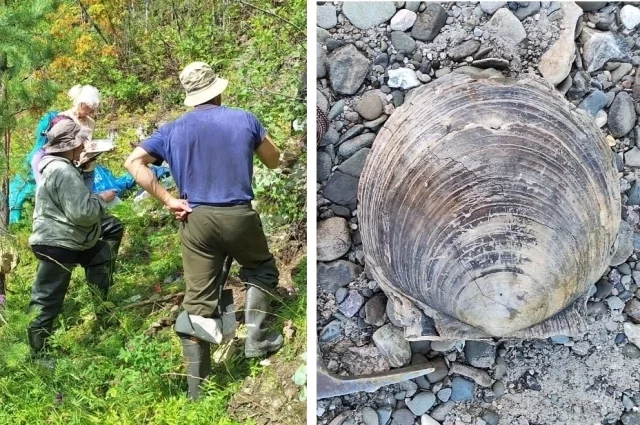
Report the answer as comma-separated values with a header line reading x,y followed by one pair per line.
x,y
197,356
112,233
37,341
259,341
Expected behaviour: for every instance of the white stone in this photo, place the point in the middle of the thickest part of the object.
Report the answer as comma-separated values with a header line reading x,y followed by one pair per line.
x,y
633,333
490,7
428,420
403,78
403,20
601,118
555,63
630,16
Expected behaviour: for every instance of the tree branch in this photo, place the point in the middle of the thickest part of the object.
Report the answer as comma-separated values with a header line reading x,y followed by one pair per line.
x,y
273,14
93,23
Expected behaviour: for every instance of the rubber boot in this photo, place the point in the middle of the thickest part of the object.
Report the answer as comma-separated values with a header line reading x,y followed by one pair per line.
x,y
197,356
112,233
37,341
259,341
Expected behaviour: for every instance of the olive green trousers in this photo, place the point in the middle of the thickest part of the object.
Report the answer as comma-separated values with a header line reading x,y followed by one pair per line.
x,y
209,235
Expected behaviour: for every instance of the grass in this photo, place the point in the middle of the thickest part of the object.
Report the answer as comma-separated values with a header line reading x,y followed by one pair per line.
x,y
120,375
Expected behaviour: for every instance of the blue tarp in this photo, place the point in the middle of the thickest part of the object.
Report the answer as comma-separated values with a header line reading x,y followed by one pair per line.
x,y
23,184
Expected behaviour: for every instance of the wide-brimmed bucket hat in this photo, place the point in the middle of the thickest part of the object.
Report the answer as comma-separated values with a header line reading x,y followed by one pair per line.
x,y
64,136
201,83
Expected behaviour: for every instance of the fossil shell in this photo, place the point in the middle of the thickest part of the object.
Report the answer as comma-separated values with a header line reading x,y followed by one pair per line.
x,y
488,208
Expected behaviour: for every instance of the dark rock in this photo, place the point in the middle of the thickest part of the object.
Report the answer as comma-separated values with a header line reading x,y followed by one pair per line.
x,y
589,6
429,23
337,274
398,98
352,304
440,372
375,310
622,115
324,166
354,165
463,50
495,63
403,42
341,211
352,146
332,331
382,60
441,412
342,189
632,309
480,353
347,69
392,345
354,131
594,102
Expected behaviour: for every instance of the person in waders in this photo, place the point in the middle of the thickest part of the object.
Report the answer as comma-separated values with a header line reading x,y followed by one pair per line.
x,y
210,153
66,230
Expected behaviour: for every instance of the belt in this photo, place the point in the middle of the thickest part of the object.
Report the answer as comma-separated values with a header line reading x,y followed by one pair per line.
x,y
227,204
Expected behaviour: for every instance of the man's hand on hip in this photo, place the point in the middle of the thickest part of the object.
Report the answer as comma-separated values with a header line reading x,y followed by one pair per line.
x,y
179,207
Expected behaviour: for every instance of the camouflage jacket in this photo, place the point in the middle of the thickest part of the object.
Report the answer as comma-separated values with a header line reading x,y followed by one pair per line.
x,y
67,214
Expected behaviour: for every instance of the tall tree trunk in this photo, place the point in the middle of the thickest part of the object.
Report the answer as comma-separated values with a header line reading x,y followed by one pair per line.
x,y
4,206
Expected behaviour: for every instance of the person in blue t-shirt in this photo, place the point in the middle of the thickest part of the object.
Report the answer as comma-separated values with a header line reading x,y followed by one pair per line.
x,y
210,153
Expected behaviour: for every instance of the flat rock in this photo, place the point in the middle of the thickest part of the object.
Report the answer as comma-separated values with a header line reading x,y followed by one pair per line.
x,y
443,346
480,353
342,189
402,416
331,137
531,9
429,23
403,42
507,26
461,389
351,304
393,345
370,416
403,20
594,102
353,166
322,101
334,238
630,16
601,47
632,158
369,14
321,64
354,131
464,49
421,403
327,16
624,243
347,68
350,147
370,106
428,420
555,63
622,115
474,72
324,164
490,417
331,331
589,6
496,63
620,71
337,274
403,78
374,310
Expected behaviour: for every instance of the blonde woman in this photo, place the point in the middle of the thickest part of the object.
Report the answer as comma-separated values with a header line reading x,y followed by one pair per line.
x,y
86,101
